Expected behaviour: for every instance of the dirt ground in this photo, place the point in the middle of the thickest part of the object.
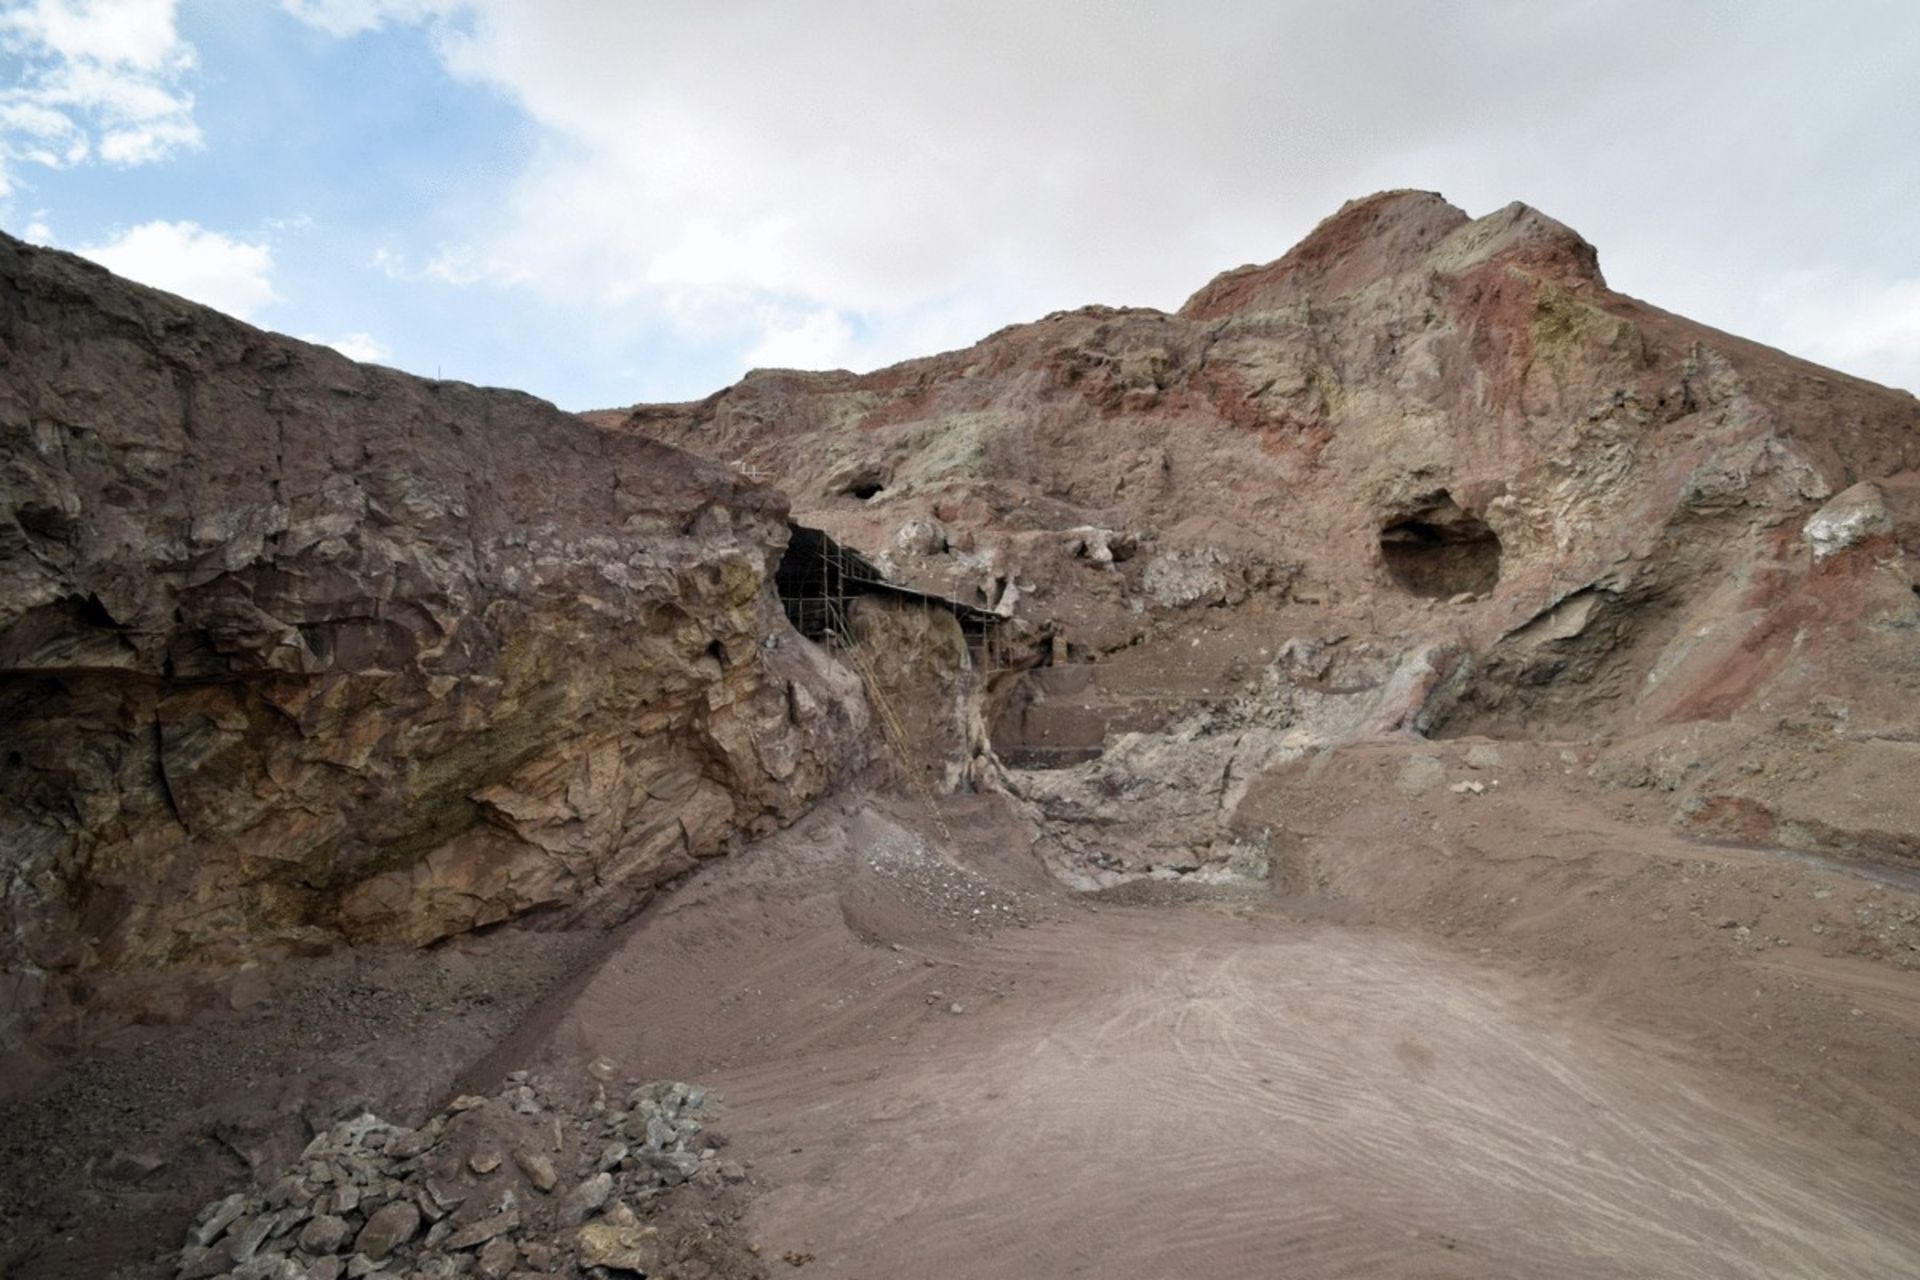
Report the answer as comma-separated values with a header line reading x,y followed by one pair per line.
x,y
1513,1032
1320,1084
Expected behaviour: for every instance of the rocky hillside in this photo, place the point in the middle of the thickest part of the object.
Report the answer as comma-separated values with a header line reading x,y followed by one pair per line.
x,y
295,650
1427,473
1524,677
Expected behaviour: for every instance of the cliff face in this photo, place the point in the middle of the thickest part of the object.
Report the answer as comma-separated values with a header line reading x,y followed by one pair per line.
x,y
294,649
1430,473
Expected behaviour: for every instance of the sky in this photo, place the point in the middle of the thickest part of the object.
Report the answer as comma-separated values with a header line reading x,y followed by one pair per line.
x,y
611,201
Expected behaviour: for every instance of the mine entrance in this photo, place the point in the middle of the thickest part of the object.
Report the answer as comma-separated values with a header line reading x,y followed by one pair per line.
x,y
819,579
1438,550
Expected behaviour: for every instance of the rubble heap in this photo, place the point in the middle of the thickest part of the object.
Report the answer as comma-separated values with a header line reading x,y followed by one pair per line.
x,y
521,1183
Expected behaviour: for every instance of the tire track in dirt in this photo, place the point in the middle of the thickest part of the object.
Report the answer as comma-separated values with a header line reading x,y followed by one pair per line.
x,y
1339,1104
1194,1091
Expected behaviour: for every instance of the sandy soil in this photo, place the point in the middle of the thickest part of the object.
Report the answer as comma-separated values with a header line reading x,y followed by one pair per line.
x,y
1206,1089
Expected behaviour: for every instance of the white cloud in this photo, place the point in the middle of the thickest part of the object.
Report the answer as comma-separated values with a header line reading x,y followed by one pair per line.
x,y
230,275
1849,321
363,347
95,78
455,265
816,340
351,17
464,264
136,34
390,263
927,172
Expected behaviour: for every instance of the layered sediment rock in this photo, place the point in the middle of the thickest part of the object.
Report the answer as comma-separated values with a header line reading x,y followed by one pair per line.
x,y
294,649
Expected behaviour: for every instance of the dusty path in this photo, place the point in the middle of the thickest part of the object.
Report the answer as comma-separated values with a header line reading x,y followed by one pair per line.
x,y
1192,1091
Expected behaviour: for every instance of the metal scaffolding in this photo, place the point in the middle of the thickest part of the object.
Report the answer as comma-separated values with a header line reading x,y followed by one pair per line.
x,y
819,579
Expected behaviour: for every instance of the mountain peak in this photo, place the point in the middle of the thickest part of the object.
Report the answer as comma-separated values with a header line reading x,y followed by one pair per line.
x,y
1394,233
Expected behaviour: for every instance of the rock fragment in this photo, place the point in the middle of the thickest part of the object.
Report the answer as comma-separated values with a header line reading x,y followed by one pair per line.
x,y
1853,516
1483,755
218,1217
249,1238
537,1168
324,1234
617,1247
497,1259
391,1226
356,1202
498,1224
587,1198
200,1263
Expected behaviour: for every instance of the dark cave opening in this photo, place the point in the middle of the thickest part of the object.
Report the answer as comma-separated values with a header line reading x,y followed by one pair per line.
x,y
863,482
1438,550
819,578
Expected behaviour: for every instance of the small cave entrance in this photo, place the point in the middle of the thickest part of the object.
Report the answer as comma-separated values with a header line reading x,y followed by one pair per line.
x,y
1439,550
863,482
818,579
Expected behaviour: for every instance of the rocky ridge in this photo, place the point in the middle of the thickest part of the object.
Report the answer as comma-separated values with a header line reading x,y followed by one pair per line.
x,y
1430,473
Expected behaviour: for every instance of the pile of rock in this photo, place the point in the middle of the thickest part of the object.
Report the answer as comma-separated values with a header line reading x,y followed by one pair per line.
x,y
493,1187
934,882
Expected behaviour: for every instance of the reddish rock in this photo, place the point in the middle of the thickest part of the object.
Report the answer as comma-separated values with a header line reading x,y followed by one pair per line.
x,y
1439,453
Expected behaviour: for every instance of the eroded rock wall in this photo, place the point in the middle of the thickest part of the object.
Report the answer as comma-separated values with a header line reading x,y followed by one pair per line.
x,y
1488,494
1407,374
295,650
926,690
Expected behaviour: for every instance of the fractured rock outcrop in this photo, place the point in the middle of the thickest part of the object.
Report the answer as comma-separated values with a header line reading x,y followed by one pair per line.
x,y
294,649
